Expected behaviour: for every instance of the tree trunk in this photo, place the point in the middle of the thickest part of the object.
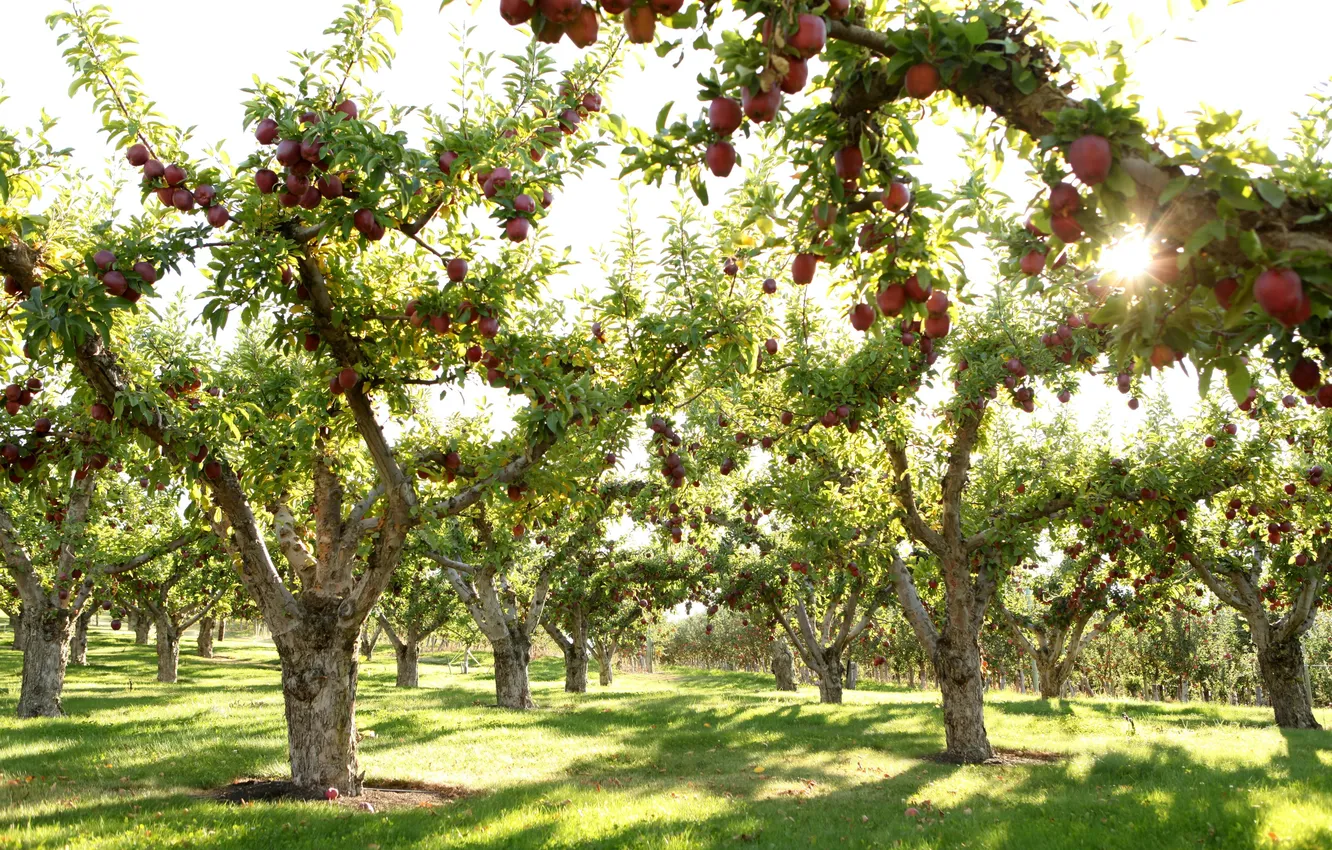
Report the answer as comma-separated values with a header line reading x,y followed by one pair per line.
x,y
168,651
511,686
370,633
830,678
852,675
605,663
16,623
45,657
205,642
141,626
319,668
408,654
957,666
1283,672
1052,685
783,666
78,645
575,667
221,628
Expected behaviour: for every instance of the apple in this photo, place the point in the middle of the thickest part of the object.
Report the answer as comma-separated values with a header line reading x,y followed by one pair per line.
x,y
1033,263
137,155
266,180
474,354
266,131
329,186
1066,227
457,269
731,268
153,169
174,175
218,216
891,299
837,9
1305,375
848,162
104,259
347,378
488,326
922,80
615,7
331,794
348,108
770,345
769,286
182,200
1225,290
41,426
212,470
447,158
802,268
936,326
516,229
720,158
666,8
115,283
289,152
914,290
640,24
761,107
896,197
199,455
582,31
810,36
1064,199
1089,157
797,75
724,116
937,302
515,12
310,342
1279,292
862,316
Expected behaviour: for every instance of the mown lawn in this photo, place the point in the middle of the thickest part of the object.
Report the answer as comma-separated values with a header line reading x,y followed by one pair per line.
x,y
681,759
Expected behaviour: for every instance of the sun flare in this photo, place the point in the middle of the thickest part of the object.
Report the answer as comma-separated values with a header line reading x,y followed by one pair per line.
x,y
1128,258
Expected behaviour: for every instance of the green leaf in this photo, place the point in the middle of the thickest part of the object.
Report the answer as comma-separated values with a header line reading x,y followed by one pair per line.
x,y
1271,192
976,32
1238,381
1112,312
1251,245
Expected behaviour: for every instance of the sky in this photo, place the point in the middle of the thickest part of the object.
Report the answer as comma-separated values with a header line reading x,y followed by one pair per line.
x,y
1261,57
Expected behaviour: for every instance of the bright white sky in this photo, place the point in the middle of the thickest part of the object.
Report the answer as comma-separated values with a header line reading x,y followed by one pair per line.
x,y
1262,57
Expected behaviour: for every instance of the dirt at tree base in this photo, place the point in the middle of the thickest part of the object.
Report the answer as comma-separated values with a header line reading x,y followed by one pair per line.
x,y
382,795
1005,758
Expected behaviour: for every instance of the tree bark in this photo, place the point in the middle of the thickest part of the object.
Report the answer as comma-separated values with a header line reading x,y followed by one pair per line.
x,y
783,666
205,642
957,666
370,633
605,662
141,627
221,629
512,654
408,654
1283,671
575,667
78,645
1052,684
168,651
16,623
319,668
852,675
45,657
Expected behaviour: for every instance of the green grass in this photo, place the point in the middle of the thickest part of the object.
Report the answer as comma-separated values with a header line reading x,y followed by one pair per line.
x,y
682,759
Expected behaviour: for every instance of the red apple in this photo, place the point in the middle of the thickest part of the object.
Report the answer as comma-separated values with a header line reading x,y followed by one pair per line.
x,y
891,299
724,116
265,180
1090,159
1279,292
1225,290
516,229
1064,199
848,162
896,197
137,155
640,24
347,378
457,269
761,107
922,80
914,290
810,36
1066,227
797,75
720,158
862,317
1305,375
1033,263
266,132
802,268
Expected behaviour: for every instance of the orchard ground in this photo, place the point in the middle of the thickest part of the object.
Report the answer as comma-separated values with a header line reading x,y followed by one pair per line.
x,y
680,759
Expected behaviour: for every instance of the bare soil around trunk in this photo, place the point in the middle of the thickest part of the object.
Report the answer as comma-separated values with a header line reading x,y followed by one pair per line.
x,y
383,795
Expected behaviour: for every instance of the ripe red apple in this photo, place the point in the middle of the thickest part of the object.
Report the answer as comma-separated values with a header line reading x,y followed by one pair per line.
x,y
582,31
266,132
347,378
137,155
848,162
524,203
769,286
104,259
1090,159
115,283
724,116
761,107
1225,290
720,158
488,326
936,325
212,470
1033,263
41,426
331,794
218,216
311,150
457,269
348,108
862,316
311,342
770,345
615,7
516,229
891,299
266,180
182,200
515,12
447,158
810,36
1305,375
153,169
474,354
198,455
1279,292
1066,227
896,197
837,9
914,290
289,152
173,174
559,11
824,215
640,24
802,268
1064,199
922,80
797,75
937,302
364,220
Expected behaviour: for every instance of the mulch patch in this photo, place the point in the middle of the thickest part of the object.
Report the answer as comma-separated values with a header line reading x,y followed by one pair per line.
x,y
1005,758
379,796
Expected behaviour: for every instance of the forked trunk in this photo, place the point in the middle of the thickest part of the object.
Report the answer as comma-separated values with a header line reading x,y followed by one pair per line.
x,y
370,633
957,666
205,641
141,627
45,657
408,655
78,645
319,668
830,678
168,651
783,666
1052,684
575,667
512,689
1283,671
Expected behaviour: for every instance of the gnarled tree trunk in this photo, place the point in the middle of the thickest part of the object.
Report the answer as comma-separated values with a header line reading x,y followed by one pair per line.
x,y
575,667
45,658
408,655
605,652
783,666
78,644
512,655
168,651
1052,683
205,642
141,626
957,666
319,668
830,677
1283,671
